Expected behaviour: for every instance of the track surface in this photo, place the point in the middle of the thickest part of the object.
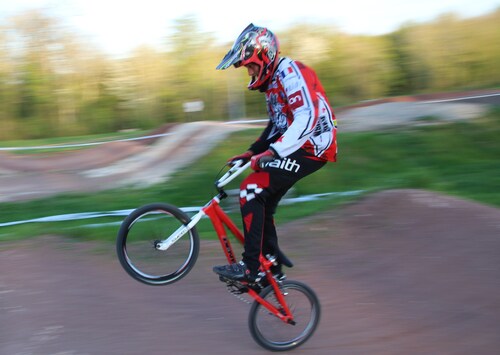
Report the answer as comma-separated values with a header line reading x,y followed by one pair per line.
x,y
400,272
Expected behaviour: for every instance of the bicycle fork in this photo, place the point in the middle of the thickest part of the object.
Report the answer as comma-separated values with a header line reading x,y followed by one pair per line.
x,y
179,233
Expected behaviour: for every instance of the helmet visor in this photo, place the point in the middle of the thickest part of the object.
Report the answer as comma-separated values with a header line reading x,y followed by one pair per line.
x,y
233,57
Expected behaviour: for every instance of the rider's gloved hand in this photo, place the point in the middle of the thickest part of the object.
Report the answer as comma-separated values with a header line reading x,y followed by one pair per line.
x,y
258,161
245,157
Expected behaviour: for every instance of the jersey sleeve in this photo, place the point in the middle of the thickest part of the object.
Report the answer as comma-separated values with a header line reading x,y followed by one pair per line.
x,y
265,139
302,102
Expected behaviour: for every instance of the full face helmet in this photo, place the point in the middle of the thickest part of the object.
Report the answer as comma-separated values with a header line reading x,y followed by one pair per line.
x,y
254,45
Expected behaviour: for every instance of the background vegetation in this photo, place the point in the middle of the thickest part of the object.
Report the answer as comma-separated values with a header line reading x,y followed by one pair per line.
x,y
53,83
458,158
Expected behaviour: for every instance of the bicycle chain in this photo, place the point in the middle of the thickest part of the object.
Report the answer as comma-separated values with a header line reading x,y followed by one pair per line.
x,y
238,295
237,291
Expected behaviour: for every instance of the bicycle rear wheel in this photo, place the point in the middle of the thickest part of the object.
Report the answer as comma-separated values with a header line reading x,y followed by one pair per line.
x,y
272,333
136,240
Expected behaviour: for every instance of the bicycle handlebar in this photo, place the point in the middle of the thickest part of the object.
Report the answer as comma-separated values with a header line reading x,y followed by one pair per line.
x,y
236,169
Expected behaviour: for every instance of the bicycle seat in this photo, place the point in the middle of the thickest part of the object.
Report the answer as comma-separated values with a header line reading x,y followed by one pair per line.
x,y
283,259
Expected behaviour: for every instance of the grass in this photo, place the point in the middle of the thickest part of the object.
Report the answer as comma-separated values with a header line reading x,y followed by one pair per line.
x,y
460,159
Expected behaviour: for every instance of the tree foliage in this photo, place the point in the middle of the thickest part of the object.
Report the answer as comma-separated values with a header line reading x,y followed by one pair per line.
x,y
53,83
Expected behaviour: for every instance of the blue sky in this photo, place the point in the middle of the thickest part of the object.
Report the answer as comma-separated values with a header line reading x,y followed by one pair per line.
x,y
120,25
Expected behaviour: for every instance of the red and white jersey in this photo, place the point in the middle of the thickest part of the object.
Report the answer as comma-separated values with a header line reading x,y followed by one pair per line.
x,y
300,115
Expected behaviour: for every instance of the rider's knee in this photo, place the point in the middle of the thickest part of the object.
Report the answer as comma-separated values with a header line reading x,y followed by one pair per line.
x,y
253,187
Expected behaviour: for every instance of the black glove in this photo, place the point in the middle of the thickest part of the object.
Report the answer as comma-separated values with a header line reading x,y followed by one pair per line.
x,y
258,161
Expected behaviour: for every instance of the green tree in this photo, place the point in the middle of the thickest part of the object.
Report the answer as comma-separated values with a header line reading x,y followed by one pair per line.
x,y
53,82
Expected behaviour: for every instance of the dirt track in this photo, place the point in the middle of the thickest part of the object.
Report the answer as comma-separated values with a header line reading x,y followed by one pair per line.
x,y
401,272
111,165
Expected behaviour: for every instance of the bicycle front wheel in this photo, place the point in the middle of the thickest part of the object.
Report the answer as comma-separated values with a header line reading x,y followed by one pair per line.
x,y
138,235
272,333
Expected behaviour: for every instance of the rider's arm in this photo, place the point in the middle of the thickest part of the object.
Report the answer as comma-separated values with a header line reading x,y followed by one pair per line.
x,y
258,147
303,102
265,139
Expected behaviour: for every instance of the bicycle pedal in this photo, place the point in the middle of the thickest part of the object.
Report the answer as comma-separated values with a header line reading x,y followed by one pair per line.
x,y
223,279
226,280
230,282
280,277
237,287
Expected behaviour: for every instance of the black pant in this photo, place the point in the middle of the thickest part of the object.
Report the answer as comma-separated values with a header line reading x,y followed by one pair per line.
x,y
260,194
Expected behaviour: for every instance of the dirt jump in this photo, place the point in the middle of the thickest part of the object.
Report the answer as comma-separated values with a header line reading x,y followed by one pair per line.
x,y
150,161
397,272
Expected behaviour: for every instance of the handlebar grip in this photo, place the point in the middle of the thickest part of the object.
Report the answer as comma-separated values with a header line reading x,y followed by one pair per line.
x,y
232,173
235,163
265,160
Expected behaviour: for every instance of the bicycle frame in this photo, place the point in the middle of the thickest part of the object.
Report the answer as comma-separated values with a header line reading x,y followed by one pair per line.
x,y
220,221
212,210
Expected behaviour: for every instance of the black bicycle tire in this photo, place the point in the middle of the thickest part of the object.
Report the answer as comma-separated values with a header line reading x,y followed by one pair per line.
x,y
291,344
177,213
